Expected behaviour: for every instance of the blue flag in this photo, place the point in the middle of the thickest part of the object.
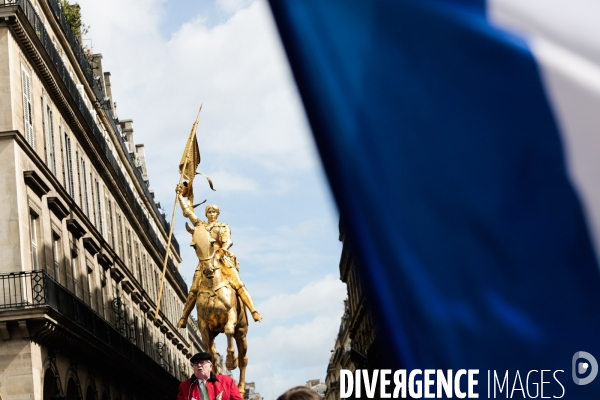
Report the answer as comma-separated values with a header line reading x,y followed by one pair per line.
x,y
464,159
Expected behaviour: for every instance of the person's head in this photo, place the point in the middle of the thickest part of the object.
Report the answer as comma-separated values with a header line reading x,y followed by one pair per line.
x,y
202,363
212,212
299,393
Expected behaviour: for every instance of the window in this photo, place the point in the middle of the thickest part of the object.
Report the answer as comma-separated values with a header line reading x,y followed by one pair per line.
x,y
168,304
86,203
145,264
129,255
79,178
93,188
27,107
165,301
102,290
56,255
138,263
90,278
120,228
49,135
99,206
44,129
33,233
62,158
151,281
156,285
109,222
136,324
68,167
172,308
75,274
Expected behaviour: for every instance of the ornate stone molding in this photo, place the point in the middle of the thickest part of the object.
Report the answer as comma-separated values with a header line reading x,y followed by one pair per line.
x,y
127,286
90,245
136,297
116,274
36,183
57,207
75,228
105,260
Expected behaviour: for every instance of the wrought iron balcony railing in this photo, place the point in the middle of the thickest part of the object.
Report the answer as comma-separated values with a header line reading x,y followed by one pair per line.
x,y
34,289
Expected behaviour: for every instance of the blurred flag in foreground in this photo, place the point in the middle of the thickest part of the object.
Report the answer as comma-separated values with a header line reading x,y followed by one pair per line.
x,y
462,143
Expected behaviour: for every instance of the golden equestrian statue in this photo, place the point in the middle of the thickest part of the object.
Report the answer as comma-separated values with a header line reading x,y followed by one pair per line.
x,y
220,237
217,290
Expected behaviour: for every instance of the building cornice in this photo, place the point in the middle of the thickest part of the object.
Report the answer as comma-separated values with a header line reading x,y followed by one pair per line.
x,y
37,184
57,207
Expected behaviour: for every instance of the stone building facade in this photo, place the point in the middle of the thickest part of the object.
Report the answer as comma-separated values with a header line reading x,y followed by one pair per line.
x,y
251,393
82,240
359,344
340,358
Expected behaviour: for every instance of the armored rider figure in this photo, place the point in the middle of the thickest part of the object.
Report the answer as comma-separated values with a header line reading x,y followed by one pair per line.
x,y
221,234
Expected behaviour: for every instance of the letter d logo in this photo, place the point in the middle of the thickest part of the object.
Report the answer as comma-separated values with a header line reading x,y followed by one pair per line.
x,y
582,367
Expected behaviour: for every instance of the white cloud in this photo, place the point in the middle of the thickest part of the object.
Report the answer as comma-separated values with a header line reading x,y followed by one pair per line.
x,y
232,6
270,382
304,347
295,249
321,297
235,69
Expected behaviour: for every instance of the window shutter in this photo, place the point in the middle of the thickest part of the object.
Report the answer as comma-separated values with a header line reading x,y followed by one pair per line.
x,y
52,143
62,159
99,201
27,108
79,187
44,130
69,165
86,202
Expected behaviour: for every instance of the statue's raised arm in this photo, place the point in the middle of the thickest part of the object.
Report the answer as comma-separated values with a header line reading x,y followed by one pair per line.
x,y
186,205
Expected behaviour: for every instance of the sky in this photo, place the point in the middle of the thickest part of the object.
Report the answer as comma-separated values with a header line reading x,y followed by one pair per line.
x,y
167,58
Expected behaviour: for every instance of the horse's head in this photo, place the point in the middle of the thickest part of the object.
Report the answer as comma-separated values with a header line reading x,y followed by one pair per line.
x,y
208,268
202,242
211,267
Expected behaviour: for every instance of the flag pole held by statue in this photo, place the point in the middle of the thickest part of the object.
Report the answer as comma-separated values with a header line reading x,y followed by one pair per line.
x,y
187,169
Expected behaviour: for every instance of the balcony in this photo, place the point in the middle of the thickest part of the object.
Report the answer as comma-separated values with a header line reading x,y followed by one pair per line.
x,y
51,315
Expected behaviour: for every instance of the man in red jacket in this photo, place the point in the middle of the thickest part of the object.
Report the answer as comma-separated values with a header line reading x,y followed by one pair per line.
x,y
204,385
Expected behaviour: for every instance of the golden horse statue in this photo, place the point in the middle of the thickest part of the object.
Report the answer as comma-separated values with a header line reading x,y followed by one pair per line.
x,y
218,294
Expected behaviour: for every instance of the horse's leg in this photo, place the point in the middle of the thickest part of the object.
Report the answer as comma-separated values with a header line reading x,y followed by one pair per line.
x,y
192,298
212,349
231,361
242,347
